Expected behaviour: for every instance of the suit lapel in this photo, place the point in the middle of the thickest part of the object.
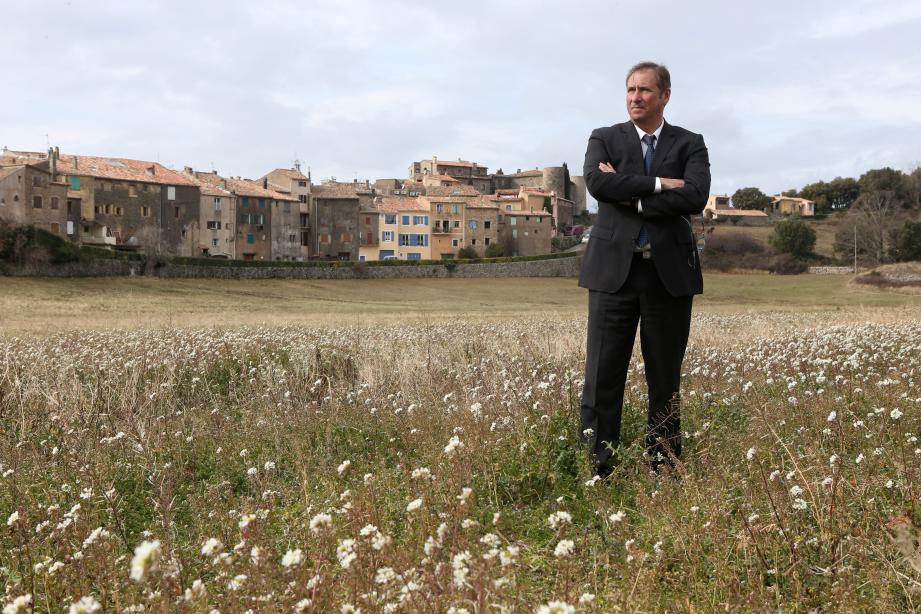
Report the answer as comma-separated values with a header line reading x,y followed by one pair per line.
x,y
666,140
633,149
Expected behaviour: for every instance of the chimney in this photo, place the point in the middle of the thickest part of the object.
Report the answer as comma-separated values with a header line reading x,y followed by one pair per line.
x,y
76,166
188,170
52,163
518,171
265,183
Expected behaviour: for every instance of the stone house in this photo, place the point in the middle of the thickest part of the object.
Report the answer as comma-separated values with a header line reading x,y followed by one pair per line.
x,y
468,173
335,209
718,208
447,214
790,205
481,225
130,204
218,214
255,206
369,232
30,196
292,183
525,233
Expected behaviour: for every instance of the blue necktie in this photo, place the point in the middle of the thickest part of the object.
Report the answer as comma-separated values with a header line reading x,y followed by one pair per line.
x,y
642,240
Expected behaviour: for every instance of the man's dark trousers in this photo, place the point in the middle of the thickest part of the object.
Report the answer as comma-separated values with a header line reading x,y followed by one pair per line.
x,y
664,326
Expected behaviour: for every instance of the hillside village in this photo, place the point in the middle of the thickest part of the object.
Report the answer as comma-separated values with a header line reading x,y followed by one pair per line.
x,y
440,208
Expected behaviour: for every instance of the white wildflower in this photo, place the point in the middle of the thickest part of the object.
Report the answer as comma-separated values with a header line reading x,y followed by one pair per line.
x,y
617,516
343,466
211,547
145,559
321,521
86,605
556,607
564,548
414,505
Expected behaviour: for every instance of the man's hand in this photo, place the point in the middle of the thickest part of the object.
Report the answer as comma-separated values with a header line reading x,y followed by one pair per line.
x,y
671,184
605,167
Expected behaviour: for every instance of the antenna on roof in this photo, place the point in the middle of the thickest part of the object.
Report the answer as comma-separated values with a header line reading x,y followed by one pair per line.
x,y
47,140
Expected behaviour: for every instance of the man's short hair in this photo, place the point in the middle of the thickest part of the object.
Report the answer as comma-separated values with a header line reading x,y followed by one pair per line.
x,y
663,78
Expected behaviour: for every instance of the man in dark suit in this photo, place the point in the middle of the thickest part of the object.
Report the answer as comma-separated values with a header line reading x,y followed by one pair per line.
x,y
641,265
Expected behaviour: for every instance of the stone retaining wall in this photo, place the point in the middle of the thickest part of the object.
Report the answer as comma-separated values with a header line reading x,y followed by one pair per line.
x,y
558,267
831,270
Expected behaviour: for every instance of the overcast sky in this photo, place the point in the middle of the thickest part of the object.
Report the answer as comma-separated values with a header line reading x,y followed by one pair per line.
x,y
785,93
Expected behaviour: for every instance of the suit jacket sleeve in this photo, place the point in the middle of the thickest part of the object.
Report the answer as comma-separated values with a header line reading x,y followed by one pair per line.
x,y
690,199
612,187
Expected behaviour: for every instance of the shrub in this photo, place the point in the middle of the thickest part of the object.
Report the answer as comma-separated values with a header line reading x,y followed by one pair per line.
x,y
467,253
793,236
907,243
786,264
494,250
734,250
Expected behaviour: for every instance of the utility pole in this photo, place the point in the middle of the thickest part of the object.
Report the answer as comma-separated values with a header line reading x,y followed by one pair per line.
x,y
855,249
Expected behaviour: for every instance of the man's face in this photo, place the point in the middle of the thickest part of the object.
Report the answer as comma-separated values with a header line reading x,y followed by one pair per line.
x,y
645,102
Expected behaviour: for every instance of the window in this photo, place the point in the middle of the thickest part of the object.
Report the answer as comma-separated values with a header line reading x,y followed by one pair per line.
x,y
55,203
119,210
486,240
527,218
246,201
346,237
390,218
369,238
302,184
250,238
292,238
74,182
55,228
414,256
132,190
439,208
38,181
302,198
414,240
457,223
97,209
176,212
70,227
145,211
455,208
217,203
513,221
387,235
170,192
420,220
215,242
367,219
514,233
324,238
454,243
213,225
473,224
36,202
406,220
108,209
262,203
487,224
472,241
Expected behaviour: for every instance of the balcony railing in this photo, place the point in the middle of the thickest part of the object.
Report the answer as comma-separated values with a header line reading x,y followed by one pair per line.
x,y
441,230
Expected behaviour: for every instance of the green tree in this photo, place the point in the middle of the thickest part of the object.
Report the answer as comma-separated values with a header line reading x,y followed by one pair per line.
x,y
467,253
839,193
913,187
793,236
907,243
494,250
750,198
883,180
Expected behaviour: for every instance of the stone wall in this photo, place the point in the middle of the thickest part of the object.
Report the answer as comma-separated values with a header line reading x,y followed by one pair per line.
x,y
831,270
559,267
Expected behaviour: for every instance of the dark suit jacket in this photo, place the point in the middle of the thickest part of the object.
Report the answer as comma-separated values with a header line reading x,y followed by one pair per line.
x,y
679,154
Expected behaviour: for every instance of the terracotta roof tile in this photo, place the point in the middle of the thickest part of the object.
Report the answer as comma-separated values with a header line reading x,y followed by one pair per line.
x,y
451,190
121,169
740,212
292,173
398,204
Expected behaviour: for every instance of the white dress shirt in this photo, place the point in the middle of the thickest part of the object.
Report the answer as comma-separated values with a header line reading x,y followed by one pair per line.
x,y
641,133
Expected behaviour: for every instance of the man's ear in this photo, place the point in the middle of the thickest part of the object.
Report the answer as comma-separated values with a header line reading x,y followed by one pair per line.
x,y
666,95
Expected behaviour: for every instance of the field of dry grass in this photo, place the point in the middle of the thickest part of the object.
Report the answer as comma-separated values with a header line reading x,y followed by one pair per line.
x,y
413,447
825,230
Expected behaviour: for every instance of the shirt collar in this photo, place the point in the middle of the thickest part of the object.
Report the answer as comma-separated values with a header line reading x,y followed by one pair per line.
x,y
642,132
